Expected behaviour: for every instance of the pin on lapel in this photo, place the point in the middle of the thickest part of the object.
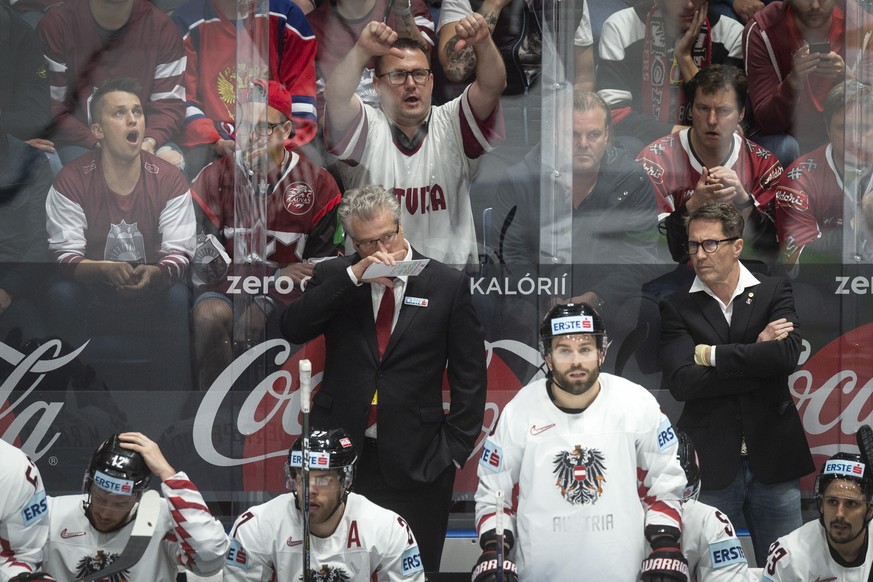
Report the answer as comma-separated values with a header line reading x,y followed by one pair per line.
x,y
749,300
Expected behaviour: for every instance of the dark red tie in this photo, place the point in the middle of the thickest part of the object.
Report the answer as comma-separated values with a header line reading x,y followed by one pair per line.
x,y
384,318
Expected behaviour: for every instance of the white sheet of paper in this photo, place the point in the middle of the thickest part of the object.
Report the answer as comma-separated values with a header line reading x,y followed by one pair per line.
x,y
401,269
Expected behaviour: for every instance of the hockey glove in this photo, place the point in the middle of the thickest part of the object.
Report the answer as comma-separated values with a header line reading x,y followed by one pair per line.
x,y
665,564
35,577
486,568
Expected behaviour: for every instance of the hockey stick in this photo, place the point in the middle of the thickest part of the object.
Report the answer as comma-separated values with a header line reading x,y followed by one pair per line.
x,y
143,529
498,529
864,438
305,392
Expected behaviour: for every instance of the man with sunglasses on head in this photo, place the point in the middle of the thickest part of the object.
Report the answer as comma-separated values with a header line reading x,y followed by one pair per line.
x,y
389,344
729,340
425,155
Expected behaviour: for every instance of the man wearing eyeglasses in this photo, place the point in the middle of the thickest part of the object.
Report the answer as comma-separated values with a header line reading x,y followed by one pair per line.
x,y
389,346
426,155
261,183
710,161
729,340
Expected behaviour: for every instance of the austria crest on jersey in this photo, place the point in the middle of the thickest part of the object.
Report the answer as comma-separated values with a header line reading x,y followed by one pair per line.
x,y
580,474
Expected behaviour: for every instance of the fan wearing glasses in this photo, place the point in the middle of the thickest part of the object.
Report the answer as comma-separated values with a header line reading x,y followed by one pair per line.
x,y
729,340
426,155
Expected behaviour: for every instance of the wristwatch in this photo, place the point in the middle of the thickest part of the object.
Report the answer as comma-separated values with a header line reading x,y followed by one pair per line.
x,y
746,204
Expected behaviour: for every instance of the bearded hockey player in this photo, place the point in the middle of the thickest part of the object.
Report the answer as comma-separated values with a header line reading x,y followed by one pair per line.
x,y
838,545
351,538
89,531
709,540
595,462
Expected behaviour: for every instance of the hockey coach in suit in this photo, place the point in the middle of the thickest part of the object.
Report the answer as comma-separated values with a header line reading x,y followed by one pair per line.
x,y
389,344
728,344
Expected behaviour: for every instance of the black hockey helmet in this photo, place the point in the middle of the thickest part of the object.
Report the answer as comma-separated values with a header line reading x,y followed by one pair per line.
x,y
571,319
846,466
117,470
687,456
328,450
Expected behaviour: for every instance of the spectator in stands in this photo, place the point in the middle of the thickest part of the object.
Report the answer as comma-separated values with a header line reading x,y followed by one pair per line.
x,y
515,30
90,41
337,26
648,55
121,220
213,80
795,53
607,217
300,199
711,162
583,40
426,155
24,182
24,93
815,192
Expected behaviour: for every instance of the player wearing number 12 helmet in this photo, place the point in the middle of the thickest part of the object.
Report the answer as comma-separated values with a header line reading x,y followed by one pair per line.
x,y
838,546
89,531
595,462
351,537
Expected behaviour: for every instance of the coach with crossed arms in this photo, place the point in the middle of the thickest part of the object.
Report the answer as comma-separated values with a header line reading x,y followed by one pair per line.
x,y
389,342
728,344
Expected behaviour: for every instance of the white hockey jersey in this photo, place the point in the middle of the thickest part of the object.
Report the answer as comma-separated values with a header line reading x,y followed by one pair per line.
x,y
432,182
23,513
804,554
370,543
711,546
588,483
186,535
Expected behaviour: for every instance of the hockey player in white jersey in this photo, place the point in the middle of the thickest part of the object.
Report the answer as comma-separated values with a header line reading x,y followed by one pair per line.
x,y
89,531
595,462
23,513
837,546
708,540
351,539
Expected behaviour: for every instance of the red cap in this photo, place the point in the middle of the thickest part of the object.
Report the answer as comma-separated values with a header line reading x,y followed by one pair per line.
x,y
277,96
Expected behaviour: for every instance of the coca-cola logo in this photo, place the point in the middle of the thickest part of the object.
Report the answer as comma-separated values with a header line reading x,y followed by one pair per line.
x,y
833,393
269,419
28,372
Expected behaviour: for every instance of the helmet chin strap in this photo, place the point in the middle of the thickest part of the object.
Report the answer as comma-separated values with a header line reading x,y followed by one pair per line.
x,y
854,537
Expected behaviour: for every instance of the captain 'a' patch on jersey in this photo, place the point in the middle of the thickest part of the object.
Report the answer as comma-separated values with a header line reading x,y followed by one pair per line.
x,y
326,573
92,564
580,474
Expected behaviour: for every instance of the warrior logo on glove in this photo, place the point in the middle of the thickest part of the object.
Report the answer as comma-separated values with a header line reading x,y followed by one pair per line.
x,y
580,474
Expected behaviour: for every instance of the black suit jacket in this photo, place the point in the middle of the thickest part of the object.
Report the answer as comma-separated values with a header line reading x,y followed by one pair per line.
x,y
746,393
417,440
